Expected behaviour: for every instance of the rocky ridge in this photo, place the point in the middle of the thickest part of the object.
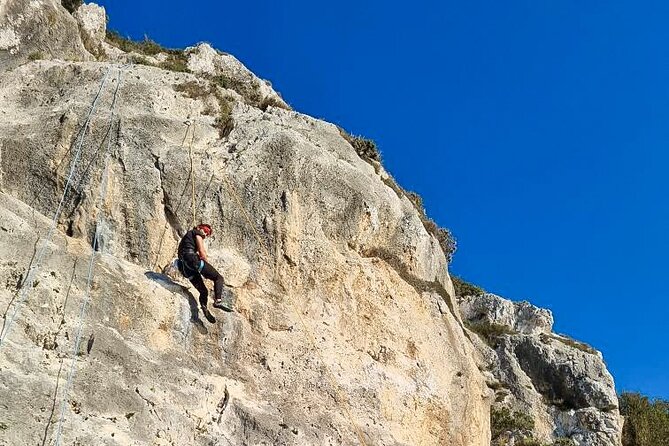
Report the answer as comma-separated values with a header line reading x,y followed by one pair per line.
x,y
563,383
345,310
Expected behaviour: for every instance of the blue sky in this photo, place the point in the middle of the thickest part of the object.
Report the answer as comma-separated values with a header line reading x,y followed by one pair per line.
x,y
537,131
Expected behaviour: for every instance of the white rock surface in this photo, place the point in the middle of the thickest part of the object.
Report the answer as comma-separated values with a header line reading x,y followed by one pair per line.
x,y
38,29
92,20
563,383
520,316
205,60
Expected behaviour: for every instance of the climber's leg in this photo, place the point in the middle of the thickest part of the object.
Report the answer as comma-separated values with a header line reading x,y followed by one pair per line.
x,y
210,273
199,285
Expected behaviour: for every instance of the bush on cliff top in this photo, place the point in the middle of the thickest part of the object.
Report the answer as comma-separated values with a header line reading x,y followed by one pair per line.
x,y
175,61
364,147
464,288
646,420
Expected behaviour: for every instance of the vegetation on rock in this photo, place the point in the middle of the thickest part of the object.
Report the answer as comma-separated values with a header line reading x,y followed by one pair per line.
x,y
646,420
194,90
175,58
582,346
464,288
490,333
506,425
364,147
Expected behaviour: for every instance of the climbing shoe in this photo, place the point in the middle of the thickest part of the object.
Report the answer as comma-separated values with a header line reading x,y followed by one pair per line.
x,y
218,303
210,317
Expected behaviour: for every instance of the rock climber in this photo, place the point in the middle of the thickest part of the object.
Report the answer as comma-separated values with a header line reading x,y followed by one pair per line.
x,y
194,265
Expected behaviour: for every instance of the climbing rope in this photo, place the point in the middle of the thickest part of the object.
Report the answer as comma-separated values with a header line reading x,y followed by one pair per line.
x,y
310,336
192,173
39,257
91,264
191,179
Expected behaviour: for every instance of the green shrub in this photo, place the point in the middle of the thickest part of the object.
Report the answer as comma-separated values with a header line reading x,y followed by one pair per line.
x,y
646,421
490,333
250,91
464,288
503,421
444,236
575,344
224,121
71,5
176,59
147,46
417,201
448,243
37,55
175,62
364,147
141,60
194,90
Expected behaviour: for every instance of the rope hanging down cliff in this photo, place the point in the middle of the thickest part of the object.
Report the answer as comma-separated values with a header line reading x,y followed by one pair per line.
x,y
91,264
41,254
195,204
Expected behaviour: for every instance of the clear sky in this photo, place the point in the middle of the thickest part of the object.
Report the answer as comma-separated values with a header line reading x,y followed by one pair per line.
x,y
537,131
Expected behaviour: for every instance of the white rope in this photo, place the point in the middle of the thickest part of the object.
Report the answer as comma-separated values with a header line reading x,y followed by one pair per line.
x,y
34,268
91,264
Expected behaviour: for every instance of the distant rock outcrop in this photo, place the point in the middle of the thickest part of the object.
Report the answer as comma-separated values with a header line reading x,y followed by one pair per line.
x,y
562,383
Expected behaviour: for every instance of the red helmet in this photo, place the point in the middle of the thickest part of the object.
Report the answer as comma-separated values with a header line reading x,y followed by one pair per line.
x,y
205,228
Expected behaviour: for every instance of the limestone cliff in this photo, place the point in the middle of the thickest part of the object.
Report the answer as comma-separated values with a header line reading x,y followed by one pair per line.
x,y
345,329
562,383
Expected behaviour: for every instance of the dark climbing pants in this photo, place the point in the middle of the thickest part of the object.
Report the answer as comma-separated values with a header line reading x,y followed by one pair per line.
x,y
208,272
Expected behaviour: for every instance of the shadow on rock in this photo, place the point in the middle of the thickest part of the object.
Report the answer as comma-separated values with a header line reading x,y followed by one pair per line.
x,y
174,287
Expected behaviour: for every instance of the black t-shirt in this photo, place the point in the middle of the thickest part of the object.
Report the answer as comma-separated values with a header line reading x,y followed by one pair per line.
x,y
188,243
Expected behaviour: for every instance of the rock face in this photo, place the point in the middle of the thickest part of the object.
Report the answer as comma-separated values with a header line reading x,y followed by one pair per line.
x,y
345,328
343,313
38,29
205,60
563,383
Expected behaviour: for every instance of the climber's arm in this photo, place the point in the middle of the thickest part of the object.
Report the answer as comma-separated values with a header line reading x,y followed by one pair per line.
x,y
201,250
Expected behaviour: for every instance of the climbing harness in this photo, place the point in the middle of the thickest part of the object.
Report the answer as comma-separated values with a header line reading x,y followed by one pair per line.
x,y
41,254
186,270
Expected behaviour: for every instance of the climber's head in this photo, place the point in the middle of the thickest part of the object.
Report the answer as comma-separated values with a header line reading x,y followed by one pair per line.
x,y
205,228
